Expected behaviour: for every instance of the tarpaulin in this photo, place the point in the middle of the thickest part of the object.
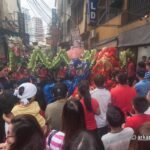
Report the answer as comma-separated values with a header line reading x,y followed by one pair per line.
x,y
136,37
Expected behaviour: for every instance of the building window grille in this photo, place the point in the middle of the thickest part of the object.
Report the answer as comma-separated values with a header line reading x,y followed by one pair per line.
x,y
138,9
108,9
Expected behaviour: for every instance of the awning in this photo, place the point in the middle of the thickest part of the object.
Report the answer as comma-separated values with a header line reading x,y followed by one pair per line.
x,y
112,42
135,37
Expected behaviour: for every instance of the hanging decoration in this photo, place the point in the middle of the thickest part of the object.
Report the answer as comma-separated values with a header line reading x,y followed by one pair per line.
x,y
75,53
89,56
106,62
38,56
15,52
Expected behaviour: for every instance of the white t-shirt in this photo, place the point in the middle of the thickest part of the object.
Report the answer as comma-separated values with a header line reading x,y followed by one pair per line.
x,y
118,141
147,111
103,97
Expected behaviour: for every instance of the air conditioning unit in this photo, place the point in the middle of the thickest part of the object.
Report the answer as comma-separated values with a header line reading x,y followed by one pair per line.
x,y
93,34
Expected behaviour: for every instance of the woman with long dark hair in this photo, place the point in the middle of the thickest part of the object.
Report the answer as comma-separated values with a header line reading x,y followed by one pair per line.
x,y
83,141
72,124
24,133
90,106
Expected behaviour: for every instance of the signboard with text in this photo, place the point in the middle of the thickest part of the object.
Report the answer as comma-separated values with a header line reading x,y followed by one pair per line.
x,y
92,9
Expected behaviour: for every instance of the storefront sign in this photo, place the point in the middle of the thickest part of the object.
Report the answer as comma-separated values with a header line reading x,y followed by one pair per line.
x,y
92,8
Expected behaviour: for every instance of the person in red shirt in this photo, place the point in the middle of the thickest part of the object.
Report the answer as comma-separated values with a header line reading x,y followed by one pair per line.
x,y
131,70
122,95
140,105
90,106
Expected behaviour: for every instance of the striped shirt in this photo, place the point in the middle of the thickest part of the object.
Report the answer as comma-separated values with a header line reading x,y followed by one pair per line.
x,y
56,142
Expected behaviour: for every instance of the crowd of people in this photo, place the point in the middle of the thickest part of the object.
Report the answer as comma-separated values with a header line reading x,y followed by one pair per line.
x,y
94,119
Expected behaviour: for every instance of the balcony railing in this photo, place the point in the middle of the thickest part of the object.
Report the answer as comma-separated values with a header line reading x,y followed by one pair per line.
x,y
107,10
137,9
105,15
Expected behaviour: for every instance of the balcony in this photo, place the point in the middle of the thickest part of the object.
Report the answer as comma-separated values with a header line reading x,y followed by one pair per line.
x,y
107,15
137,9
107,10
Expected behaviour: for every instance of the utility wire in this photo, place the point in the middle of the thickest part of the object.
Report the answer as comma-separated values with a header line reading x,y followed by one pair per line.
x,y
31,8
37,10
41,10
45,5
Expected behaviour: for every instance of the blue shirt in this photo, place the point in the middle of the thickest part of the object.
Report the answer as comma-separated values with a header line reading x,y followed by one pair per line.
x,y
142,87
147,76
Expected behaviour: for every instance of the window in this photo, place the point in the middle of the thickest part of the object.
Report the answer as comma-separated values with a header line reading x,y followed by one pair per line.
x,y
137,9
107,9
77,13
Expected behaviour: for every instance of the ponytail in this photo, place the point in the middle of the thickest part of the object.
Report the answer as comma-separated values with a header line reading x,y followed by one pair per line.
x,y
87,101
84,91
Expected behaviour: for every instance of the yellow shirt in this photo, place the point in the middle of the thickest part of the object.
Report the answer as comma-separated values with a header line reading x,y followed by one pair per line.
x,y
32,109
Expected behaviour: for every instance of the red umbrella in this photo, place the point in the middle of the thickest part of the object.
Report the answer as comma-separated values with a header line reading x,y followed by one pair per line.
x,y
75,53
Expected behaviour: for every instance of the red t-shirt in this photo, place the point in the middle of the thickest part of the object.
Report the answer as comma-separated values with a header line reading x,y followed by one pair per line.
x,y
90,116
122,96
137,121
131,69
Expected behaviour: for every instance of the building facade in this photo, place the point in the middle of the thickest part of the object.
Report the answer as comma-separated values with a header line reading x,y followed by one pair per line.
x,y
9,8
27,19
103,23
37,30
64,19
9,25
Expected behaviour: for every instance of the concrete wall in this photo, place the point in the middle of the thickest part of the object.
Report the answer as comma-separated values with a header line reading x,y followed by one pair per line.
x,y
82,25
1,9
107,31
9,8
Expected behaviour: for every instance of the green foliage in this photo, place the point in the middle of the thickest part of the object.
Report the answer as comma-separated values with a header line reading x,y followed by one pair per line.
x,y
89,56
124,55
